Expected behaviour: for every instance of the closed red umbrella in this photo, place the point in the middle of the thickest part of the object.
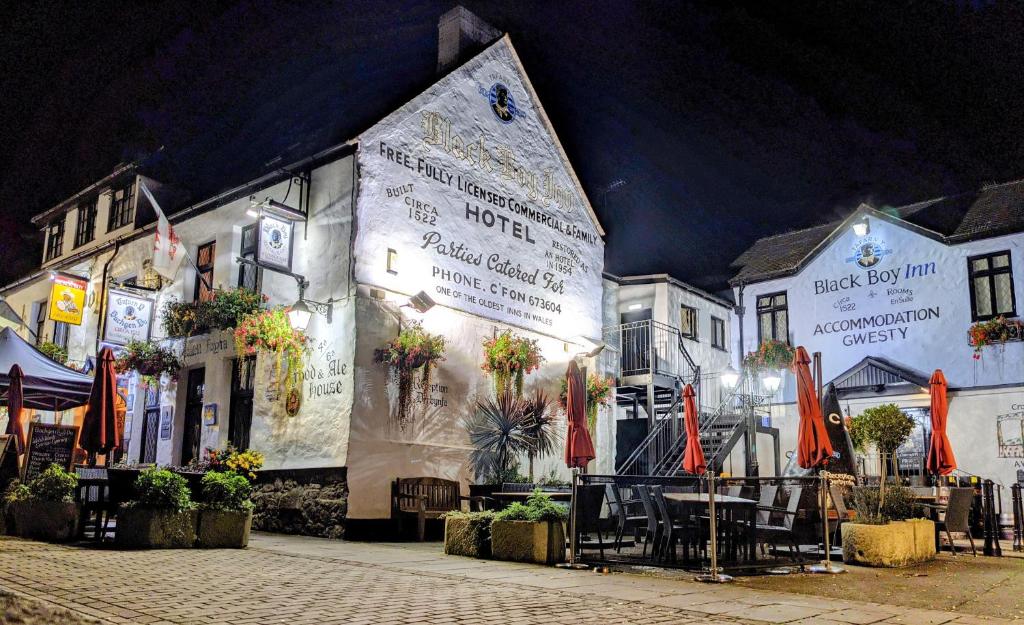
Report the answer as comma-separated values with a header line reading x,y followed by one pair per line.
x,y
579,448
693,456
15,400
940,454
813,447
99,426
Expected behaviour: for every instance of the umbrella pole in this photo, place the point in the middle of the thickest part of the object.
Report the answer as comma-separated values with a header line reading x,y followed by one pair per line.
x,y
571,564
713,577
826,566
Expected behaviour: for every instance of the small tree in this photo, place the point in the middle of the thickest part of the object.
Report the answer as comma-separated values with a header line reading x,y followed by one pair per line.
x,y
885,426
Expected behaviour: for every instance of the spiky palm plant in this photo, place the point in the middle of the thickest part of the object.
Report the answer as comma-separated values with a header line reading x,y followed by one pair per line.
x,y
539,426
496,430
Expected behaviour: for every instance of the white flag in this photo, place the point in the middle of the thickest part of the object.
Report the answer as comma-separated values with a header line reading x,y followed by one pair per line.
x,y
168,251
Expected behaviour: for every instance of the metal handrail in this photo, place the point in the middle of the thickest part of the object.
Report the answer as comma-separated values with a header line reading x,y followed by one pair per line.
x,y
641,449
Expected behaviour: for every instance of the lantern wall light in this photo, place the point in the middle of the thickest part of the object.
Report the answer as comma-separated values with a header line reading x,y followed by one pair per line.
x,y
861,227
772,381
730,377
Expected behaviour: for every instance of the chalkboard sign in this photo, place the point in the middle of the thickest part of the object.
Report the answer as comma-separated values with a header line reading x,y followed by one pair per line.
x,y
49,444
8,460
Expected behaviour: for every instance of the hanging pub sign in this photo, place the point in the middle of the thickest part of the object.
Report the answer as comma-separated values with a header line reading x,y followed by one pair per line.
x,y
129,317
275,244
67,299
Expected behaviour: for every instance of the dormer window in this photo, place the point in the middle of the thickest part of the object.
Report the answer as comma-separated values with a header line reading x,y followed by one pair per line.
x,y
55,238
122,206
86,228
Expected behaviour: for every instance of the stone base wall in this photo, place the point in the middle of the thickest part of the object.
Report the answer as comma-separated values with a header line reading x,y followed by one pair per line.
x,y
312,502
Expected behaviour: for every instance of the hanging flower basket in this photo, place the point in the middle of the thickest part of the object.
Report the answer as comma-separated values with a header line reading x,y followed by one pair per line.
x,y
770,355
225,311
149,360
510,358
412,349
269,331
599,391
994,332
54,352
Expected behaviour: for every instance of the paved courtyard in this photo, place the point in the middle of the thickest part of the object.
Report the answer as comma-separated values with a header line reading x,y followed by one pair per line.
x,y
296,580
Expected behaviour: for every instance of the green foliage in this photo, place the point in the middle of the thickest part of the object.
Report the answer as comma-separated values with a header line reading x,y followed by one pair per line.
x,y
898,505
16,491
538,508
479,528
771,354
539,427
53,351
224,311
160,488
414,348
150,360
885,426
498,434
551,480
226,491
53,484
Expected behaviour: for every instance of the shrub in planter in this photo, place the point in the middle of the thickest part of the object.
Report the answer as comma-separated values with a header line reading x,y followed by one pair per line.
x,y
468,534
161,516
880,535
225,516
44,509
530,532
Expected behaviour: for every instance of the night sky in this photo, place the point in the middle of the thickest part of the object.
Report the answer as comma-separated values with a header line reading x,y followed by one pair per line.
x,y
728,121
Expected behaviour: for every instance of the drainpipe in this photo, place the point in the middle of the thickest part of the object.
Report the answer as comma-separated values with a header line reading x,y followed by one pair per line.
x,y
750,437
101,324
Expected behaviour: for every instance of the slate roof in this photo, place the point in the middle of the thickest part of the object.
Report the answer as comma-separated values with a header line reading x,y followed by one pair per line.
x,y
992,211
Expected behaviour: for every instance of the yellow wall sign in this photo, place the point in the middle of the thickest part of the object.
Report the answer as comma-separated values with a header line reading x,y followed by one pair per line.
x,y
67,299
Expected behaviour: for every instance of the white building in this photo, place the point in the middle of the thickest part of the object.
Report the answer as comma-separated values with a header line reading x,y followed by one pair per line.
x,y
887,296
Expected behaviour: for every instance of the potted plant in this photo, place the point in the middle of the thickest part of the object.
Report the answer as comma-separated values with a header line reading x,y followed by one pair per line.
x,y
150,360
994,332
530,532
54,352
45,509
771,354
468,534
886,427
887,534
224,311
161,516
225,516
539,426
413,349
498,433
269,331
245,463
509,358
598,393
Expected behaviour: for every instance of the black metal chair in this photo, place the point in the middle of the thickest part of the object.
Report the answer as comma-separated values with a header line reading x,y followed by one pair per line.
x,y
588,515
672,530
93,498
772,533
653,534
619,508
957,517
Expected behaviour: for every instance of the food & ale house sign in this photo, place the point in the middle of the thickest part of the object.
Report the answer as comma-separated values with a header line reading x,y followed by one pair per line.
x,y
464,194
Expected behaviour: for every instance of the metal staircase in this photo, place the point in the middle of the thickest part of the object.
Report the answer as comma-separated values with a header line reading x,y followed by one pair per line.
x,y
653,368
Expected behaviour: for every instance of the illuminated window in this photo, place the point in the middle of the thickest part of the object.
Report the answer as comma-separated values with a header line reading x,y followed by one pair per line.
x,y
40,321
203,291
772,318
122,206
688,322
991,278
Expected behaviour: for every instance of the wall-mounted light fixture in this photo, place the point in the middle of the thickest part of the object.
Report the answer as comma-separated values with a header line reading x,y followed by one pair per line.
x,y
861,227
594,347
634,306
772,381
421,302
302,310
392,261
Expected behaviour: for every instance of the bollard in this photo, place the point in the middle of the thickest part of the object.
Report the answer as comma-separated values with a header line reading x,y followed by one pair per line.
x,y
1018,518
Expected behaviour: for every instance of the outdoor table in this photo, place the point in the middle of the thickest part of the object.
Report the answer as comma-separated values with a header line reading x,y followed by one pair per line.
x,y
556,495
739,515
93,497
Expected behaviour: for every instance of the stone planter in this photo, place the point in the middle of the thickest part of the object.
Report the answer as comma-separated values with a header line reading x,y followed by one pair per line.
x,y
466,536
224,529
51,521
146,528
527,541
898,543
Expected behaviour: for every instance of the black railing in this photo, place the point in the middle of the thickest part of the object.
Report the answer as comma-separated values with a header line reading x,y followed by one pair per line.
x,y
661,438
651,348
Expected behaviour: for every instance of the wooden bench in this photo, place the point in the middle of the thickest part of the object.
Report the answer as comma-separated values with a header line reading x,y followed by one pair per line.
x,y
426,498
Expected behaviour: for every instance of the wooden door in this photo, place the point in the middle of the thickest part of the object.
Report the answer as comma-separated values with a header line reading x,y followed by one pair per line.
x,y
242,384
191,435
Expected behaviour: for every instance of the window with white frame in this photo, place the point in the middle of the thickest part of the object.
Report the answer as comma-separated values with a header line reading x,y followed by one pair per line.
x,y
717,332
688,322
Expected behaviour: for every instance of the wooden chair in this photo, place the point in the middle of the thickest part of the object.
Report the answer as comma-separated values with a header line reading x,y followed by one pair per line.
x,y
426,498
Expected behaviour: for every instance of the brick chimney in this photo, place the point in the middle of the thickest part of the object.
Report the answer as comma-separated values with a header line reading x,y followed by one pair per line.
x,y
461,33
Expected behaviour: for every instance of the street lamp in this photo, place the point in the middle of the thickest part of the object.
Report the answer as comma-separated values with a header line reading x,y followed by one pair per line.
x,y
772,381
730,377
299,315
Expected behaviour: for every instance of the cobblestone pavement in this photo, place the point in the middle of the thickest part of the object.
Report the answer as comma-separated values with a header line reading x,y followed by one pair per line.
x,y
295,580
